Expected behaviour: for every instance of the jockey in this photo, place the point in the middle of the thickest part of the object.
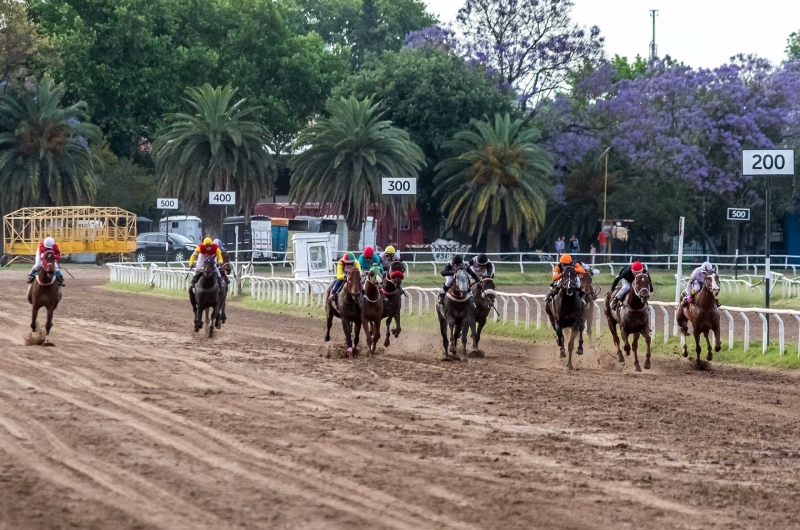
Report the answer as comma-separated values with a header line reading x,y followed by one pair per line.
x,y
696,281
347,262
481,266
565,261
225,259
205,250
389,255
626,276
367,259
48,244
449,272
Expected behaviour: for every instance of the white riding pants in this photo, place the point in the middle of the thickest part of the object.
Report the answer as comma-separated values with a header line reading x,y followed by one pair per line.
x,y
448,281
693,284
626,286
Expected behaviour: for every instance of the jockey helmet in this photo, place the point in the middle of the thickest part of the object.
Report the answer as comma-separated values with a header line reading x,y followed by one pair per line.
x,y
219,244
208,242
637,266
565,259
708,267
389,250
483,259
458,259
349,258
369,253
49,242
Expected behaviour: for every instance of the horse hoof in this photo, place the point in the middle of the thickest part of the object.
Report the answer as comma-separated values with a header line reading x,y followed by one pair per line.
x,y
710,356
447,359
349,352
569,366
620,358
386,343
327,338
218,325
579,351
685,353
647,364
638,368
563,354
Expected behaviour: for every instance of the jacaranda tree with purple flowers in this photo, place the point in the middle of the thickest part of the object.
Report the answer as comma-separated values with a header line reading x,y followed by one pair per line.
x,y
532,45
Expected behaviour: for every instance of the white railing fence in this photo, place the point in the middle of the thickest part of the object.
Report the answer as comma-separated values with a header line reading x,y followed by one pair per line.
x,y
521,309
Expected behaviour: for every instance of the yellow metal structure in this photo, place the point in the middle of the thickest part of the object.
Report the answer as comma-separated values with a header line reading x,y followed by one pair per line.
x,y
76,229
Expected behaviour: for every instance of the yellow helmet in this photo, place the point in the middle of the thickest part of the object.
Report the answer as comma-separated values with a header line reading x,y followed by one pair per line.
x,y
208,242
389,250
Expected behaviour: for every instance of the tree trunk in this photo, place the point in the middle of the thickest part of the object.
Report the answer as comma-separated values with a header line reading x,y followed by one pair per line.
x,y
707,240
210,215
733,238
353,235
493,240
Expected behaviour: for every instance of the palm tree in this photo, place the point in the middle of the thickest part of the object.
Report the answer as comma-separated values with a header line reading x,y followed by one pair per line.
x,y
495,182
347,156
217,148
45,157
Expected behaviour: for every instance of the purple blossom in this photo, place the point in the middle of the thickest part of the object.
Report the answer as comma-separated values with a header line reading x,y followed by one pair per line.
x,y
433,36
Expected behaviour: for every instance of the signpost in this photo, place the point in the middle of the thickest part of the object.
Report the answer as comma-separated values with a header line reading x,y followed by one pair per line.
x,y
679,272
768,162
738,214
398,186
166,205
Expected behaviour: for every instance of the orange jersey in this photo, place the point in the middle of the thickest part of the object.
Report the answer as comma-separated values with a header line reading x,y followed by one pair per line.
x,y
557,270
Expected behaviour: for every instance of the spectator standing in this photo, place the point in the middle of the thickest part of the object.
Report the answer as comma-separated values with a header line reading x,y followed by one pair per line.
x,y
592,252
574,246
603,241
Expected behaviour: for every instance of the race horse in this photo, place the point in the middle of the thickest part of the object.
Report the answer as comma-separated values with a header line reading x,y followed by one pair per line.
x,y
590,295
485,297
372,310
45,292
566,310
457,315
393,299
205,298
703,314
633,318
349,310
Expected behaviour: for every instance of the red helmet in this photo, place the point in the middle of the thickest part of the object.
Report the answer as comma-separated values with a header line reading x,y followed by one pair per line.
x,y
369,252
637,266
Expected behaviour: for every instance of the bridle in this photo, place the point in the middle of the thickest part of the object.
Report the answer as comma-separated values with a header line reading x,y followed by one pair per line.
x,y
642,293
460,286
375,279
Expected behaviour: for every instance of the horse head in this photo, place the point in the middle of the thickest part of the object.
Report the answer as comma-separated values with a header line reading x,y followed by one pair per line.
x,y
208,268
487,290
641,286
49,262
396,273
374,275
712,283
460,287
569,279
353,284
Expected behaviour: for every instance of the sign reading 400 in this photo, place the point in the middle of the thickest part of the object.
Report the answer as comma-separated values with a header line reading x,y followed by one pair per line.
x,y
222,198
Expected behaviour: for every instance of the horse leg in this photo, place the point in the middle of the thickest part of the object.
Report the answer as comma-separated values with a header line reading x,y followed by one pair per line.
x,y
560,340
612,326
376,329
453,338
443,330
368,332
571,344
647,339
386,342
396,331
636,352
356,335
683,326
216,316
710,356
347,327
580,340
625,336
698,349
34,315
328,322
49,323
463,334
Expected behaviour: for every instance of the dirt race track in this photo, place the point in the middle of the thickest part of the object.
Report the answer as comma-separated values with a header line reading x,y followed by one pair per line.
x,y
131,421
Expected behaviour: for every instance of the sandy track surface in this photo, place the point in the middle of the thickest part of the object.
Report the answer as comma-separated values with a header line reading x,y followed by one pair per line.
x,y
132,421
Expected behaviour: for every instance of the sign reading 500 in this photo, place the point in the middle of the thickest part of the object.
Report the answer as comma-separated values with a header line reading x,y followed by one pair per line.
x,y
222,198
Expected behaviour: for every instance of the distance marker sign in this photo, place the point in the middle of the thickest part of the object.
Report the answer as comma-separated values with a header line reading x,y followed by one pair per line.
x,y
397,186
738,214
767,162
167,204
222,198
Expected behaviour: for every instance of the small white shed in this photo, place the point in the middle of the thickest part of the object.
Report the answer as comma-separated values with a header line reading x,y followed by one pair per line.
x,y
186,225
315,255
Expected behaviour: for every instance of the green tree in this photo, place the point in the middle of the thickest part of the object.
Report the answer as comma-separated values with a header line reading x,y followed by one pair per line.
x,y
432,94
628,70
126,185
45,149
23,52
218,148
496,181
368,34
347,155
336,20
793,46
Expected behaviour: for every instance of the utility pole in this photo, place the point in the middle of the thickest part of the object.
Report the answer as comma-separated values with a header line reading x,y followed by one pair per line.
x,y
653,47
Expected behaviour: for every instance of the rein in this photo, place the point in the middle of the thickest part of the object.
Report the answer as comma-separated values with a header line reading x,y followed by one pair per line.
x,y
454,299
39,281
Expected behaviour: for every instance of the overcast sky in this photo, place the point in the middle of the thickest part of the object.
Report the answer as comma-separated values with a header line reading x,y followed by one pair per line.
x,y
698,32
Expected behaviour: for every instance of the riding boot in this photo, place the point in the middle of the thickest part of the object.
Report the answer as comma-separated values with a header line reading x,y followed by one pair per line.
x,y
60,279
440,299
615,303
472,302
32,276
196,277
719,304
